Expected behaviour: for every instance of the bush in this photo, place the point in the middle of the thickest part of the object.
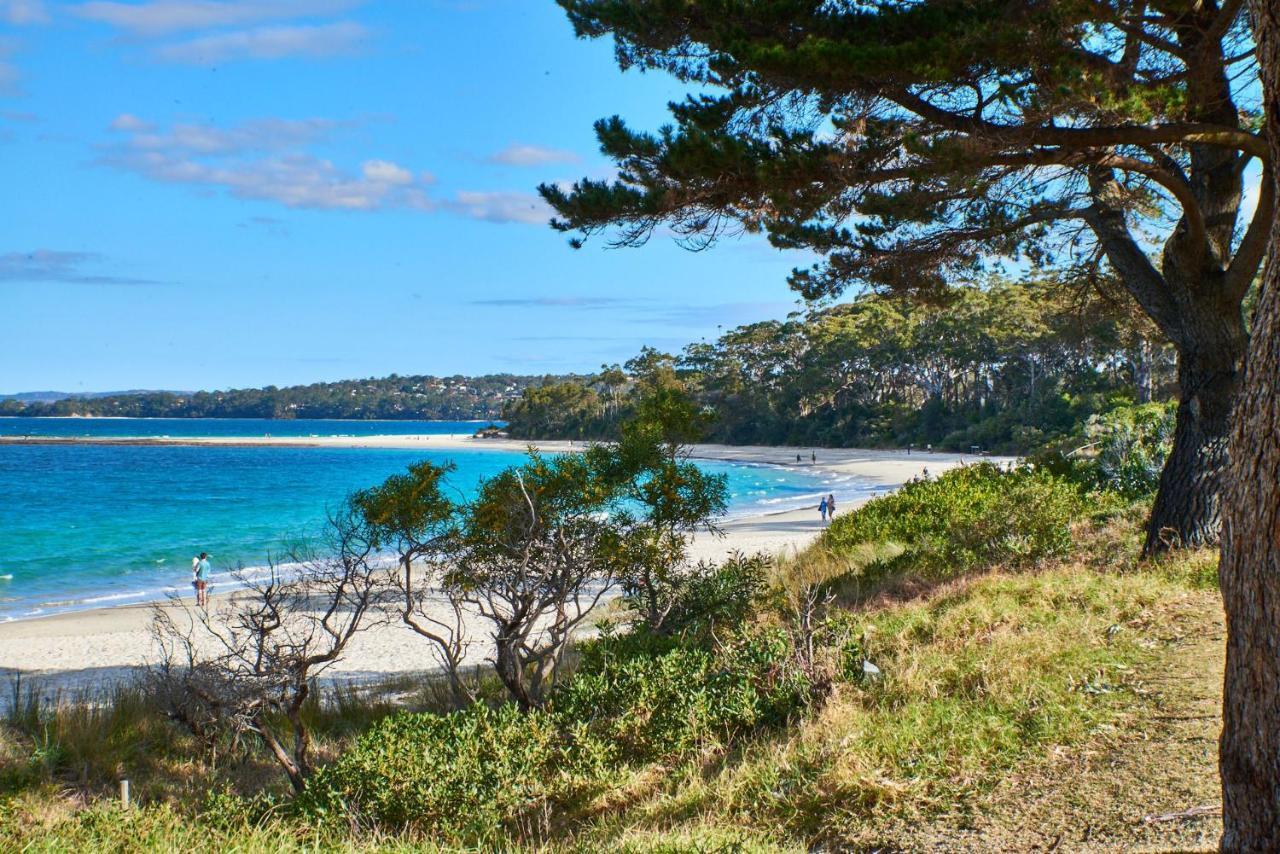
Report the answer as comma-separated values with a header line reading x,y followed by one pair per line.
x,y
716,595
970,518
646,697
1132,444
467,778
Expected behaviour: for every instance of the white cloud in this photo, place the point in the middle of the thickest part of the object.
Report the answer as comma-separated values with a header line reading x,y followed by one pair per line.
x,y
385,172
501,207
165,17
270,160
130,123
293,180
317,41
23,12
264,160
532,155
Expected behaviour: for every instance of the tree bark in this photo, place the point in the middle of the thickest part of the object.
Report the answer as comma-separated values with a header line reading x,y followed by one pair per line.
x,y
1142,372
1187,509
1249,749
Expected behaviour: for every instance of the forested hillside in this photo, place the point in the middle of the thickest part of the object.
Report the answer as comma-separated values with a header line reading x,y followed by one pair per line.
x,y
1007,367
455,397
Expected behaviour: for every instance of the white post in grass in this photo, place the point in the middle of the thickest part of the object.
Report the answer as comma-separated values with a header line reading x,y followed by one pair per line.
x,y
124,794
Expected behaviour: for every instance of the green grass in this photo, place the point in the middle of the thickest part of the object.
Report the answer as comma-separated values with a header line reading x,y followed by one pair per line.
x,y
979,678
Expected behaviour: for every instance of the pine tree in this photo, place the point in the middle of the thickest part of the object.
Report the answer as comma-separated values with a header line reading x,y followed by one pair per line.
x,y
910,141
1249,752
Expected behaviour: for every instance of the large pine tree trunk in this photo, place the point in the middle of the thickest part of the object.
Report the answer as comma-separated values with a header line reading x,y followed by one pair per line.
x,y
1187,509
1249,751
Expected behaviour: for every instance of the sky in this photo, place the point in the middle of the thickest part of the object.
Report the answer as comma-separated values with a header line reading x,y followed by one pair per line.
x,y
233,193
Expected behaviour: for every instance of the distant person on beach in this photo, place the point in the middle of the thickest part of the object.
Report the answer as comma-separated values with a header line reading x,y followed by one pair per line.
x,y
822,508
201,581
831,506
813,456
797,458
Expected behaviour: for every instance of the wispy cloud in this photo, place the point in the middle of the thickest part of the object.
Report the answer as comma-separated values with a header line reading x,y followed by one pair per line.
x,y
130,124
652,311
319,41
501,207
271,160
9,74
166,17
264,160
20,13
271,134
532,155
51,265
561,302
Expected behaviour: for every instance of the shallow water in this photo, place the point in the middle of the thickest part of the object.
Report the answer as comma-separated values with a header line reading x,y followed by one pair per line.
x,y
92,525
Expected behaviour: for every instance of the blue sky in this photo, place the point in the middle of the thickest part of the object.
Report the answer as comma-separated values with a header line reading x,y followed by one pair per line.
x,y
216,193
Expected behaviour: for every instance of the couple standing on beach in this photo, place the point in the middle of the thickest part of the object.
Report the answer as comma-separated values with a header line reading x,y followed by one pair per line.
x,y
200,578
828,507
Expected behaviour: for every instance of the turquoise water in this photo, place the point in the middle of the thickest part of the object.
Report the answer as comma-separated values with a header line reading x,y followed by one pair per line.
x,y
242,427
94,525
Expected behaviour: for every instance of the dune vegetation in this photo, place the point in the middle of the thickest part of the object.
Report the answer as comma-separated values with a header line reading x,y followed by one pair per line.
x,y
942,663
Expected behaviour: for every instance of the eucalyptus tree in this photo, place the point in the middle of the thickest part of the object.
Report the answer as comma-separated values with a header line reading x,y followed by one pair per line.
x,y
910,141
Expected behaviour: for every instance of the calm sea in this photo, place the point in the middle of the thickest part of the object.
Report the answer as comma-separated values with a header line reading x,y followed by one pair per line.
x,y
86,526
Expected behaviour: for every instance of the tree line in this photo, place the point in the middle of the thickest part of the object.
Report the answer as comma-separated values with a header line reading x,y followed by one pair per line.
x,y
393,397
1009,367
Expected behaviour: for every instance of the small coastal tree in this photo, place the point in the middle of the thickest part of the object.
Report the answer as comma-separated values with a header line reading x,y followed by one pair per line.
x,y
250,665
666,498
542,546
909,141
411,515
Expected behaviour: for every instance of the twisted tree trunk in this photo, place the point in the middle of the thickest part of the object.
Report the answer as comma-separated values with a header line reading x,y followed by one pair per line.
x,y
1249,750
1187,509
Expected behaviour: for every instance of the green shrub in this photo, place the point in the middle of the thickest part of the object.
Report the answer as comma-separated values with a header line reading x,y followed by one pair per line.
x,y
1132,443
467,778
968,518
716,595
646,697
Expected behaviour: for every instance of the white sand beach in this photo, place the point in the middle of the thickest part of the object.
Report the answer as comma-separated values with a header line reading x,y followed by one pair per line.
x,y
87,649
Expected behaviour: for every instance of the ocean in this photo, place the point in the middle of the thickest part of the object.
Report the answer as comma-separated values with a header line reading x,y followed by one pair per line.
x,y
85,526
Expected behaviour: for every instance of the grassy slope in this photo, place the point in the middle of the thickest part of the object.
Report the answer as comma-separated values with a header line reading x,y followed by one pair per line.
x,y
1057,707
1052,708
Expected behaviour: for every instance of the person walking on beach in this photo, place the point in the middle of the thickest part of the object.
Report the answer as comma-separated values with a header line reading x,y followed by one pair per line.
x,y
201,581
822,508
831,506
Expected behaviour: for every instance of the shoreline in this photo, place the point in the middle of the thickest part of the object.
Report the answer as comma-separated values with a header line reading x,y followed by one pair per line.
x,y
91,649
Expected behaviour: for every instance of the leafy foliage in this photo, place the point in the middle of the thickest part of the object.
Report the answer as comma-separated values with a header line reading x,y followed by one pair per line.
x,y
1007,367
1132,445
464,777
970,517
645,698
